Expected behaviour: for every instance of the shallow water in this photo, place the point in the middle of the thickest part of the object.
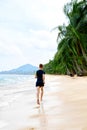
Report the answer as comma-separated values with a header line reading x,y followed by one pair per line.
x,y
12,86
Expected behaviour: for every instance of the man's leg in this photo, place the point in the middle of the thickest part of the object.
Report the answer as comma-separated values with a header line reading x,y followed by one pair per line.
x,y
41,93
38,92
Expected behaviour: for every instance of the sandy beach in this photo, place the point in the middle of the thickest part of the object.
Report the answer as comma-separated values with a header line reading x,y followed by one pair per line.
x,y
64,107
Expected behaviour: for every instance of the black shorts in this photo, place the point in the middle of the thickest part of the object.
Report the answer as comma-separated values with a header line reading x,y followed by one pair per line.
x,y
39,84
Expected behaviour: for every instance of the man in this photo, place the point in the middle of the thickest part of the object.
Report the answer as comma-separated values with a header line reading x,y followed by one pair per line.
x,y
40,75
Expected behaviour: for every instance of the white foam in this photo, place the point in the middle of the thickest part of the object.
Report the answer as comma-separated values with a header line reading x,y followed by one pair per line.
x,y
3,124
3,104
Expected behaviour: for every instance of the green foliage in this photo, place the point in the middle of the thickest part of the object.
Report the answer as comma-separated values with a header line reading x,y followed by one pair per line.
x,y
71,55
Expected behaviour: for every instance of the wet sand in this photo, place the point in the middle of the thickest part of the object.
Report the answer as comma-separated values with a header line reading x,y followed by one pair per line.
x,y
64,107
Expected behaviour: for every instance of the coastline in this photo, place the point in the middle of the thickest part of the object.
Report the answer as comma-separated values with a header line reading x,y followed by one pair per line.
x,y
64,106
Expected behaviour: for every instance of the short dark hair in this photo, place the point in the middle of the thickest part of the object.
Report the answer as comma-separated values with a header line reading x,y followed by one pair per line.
x,y
40,65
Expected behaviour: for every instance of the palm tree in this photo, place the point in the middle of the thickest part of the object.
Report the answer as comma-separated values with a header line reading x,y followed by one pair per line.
x,y
71,56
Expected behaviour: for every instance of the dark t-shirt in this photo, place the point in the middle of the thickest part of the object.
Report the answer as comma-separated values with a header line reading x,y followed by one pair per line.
x,y
39,75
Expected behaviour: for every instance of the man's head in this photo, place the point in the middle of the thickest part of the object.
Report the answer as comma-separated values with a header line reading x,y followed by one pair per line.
x,y
41,66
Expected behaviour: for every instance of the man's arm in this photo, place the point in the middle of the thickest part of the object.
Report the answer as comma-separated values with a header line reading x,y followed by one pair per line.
x,y
44,78
36,75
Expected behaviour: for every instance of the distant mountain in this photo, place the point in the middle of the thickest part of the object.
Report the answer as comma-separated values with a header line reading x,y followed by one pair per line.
x,y
25,69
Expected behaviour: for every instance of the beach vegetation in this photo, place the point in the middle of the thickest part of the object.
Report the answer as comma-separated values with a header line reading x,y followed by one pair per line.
x,y
71,55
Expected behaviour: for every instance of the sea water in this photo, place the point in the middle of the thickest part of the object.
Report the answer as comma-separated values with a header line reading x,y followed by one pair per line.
x,y
12,86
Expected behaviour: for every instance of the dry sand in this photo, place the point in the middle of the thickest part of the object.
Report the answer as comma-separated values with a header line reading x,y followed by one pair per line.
x,y
64,106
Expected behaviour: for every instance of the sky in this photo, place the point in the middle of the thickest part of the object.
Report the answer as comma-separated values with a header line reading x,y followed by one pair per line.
x,y
25,31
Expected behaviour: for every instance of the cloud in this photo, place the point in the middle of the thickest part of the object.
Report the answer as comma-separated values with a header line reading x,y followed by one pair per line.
x,y
25,31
